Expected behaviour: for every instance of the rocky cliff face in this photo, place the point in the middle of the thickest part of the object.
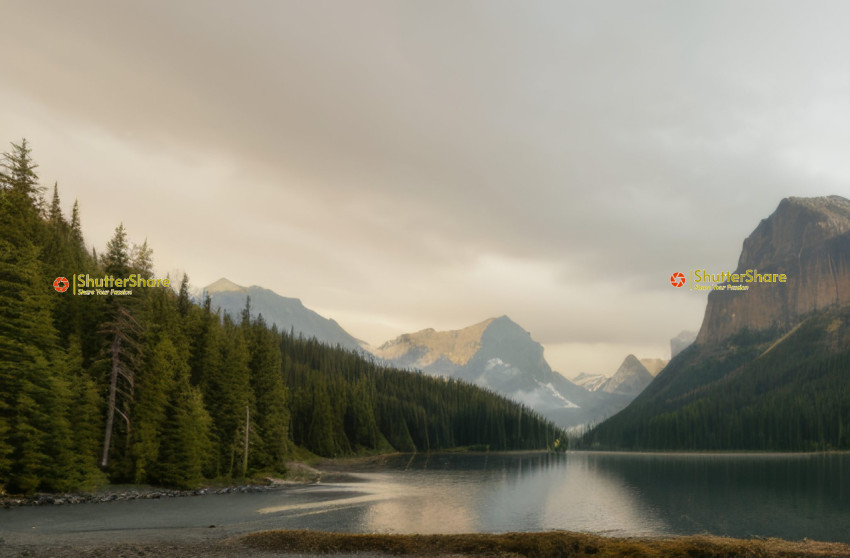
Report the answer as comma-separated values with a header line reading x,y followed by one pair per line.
x,y
808,239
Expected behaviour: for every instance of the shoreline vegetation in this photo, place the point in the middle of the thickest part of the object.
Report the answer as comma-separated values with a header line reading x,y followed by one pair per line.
x,y
541,544
550,544
312,470
297,473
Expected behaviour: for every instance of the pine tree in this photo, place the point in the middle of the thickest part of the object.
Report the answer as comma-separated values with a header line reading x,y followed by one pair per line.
x,y
154,384
76,229
272,416
186,447
19,185
55,215
141,259
85,413
116,261
183,302
27,346
59,471
19,174
227,391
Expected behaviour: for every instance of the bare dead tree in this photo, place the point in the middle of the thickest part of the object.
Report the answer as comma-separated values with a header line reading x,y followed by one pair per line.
x,y
125,331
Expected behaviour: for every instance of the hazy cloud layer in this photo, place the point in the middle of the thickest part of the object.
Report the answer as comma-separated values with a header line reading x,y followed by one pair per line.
x,y
401,165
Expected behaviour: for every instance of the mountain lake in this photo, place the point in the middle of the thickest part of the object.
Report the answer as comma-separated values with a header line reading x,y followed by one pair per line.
x,y
791,496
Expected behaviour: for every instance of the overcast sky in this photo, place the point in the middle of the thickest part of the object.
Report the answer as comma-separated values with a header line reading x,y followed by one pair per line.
x,y
411,164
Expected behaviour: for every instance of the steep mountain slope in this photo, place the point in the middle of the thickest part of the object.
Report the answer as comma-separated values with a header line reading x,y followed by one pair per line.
x,y
749,393
770,367
590,382
630,379
654,365
631,371
681,342
500,355
288,314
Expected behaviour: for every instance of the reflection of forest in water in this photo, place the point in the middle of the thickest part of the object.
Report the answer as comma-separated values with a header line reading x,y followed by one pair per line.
x,y
772,495
789,496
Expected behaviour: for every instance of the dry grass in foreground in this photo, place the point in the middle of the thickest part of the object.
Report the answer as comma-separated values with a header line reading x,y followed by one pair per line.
x,y
542,545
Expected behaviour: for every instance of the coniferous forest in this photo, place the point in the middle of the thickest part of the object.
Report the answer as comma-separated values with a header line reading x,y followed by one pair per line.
x,y
757,391
156,388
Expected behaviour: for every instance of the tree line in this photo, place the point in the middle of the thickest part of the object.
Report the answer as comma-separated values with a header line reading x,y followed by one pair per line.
x,y
159,388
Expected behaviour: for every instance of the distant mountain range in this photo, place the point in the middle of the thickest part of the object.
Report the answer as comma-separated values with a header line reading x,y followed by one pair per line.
x,y
496,354
631,372
288,314
499,355
769,368
630,379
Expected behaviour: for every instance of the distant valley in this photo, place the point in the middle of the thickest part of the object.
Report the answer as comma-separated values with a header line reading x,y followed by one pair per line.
x,y
496,354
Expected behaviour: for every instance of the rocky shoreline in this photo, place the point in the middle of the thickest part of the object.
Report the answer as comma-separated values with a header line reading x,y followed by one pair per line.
x,y
42,499
297,473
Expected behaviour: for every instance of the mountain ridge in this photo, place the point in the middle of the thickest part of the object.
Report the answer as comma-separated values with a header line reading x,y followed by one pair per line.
x,y
500,355
630,378
288,314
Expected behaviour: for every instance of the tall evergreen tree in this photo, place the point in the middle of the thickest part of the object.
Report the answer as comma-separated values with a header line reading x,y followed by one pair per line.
x,y
227,393
76,228
154,385
54,216
19,174
141,259
183,302
85,413
272,416
27,346
116,261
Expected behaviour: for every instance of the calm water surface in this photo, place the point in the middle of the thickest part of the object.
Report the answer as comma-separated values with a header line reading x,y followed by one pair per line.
x,y
788,496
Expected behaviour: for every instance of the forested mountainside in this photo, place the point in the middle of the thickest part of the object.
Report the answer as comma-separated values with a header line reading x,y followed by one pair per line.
x,y
151,387
770,368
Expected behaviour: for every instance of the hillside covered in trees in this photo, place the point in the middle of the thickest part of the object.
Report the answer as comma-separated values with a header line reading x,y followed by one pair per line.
x,y
154,388
769,368
760,391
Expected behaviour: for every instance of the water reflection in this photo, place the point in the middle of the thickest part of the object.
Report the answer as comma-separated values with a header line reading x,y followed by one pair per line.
x,y
451,494
790,496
